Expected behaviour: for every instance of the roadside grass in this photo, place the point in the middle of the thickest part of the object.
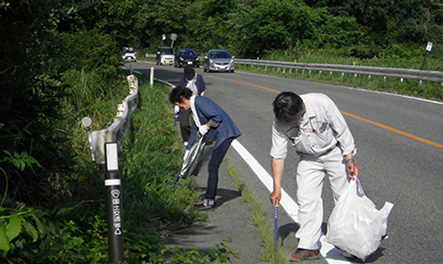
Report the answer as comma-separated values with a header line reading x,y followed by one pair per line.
x,y
74,230
279,255
426,89
399,57
151,159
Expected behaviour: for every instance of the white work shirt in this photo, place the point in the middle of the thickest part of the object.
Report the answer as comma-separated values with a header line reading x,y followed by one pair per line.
x,y
319,130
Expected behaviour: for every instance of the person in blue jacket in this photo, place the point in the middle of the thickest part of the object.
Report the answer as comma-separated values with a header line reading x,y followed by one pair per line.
x,y
209,118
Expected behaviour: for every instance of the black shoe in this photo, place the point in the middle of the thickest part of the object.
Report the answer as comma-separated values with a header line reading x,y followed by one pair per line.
x,y
206,205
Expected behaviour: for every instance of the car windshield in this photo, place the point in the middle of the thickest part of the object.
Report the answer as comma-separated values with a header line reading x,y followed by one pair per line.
x,y
128,50
166,51
188,53
221,54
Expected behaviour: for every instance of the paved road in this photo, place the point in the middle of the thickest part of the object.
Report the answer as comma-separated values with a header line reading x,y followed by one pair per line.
x,y
399,142
231,219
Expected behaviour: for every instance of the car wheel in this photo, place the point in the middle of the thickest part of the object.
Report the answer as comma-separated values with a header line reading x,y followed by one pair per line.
x,y
204,69
232,71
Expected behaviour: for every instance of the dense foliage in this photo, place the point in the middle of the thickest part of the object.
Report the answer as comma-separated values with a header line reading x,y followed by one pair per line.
x,y
255,28
60,60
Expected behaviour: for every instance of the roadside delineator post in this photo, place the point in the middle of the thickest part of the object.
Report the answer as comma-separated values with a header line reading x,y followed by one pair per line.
x,y
113,204
152,77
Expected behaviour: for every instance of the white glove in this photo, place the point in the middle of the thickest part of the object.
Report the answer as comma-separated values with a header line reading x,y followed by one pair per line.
x,y
203,130
176,109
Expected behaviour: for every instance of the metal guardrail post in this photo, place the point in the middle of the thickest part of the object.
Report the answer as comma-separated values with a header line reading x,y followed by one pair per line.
x,y
114,204
104,145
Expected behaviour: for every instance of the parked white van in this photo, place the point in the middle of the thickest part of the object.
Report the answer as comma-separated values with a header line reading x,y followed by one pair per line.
x,y
165,55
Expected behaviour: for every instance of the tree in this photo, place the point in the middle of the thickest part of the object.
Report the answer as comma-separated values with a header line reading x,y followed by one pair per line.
x,y
274,24
30,77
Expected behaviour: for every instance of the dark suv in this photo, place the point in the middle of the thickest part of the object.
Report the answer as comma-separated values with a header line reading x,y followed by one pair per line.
x,y
186,56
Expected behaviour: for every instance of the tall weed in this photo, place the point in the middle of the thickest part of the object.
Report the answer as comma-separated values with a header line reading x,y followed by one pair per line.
x,y
75,230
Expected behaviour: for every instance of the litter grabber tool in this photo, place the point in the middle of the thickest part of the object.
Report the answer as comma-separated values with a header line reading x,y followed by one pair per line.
x,y
191,159
276,228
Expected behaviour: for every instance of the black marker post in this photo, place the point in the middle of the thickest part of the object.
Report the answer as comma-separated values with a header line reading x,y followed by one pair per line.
x,y
113,204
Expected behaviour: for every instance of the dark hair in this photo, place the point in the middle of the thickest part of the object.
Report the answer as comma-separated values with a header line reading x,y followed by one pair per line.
x,y
287,105
189,72
178,92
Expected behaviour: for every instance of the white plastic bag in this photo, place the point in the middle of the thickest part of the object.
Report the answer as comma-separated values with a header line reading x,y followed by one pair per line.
x,y
355,225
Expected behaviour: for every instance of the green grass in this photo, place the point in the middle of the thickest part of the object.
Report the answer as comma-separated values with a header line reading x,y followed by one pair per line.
x,y
428,90
151,159
270,254
75,230
399,57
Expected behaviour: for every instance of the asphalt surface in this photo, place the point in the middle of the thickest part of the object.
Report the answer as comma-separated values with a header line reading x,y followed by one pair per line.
x,y
230,219
399,143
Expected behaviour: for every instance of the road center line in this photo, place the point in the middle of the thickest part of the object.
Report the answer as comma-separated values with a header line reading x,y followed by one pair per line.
x,y
328,251
395,130
423,140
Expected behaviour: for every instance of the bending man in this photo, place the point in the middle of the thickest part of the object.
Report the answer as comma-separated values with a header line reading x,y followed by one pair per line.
x,y
314,126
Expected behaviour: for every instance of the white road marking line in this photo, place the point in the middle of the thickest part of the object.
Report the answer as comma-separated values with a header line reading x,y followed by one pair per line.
x,y
329,252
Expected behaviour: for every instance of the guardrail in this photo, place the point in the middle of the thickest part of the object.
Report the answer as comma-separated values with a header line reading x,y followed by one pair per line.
x,y
433,76
117,131
104,145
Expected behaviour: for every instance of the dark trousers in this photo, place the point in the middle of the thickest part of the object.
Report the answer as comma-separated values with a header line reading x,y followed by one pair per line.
x,y
185,124
216,159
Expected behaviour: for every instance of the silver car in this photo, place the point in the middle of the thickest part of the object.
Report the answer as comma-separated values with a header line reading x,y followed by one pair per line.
x,y
218,60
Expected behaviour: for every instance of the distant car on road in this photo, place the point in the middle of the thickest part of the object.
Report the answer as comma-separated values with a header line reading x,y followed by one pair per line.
x,y
129,54
165,55
186,56
218,60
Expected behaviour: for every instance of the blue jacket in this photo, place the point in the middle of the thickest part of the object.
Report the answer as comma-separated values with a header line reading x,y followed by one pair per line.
x,y
222,126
